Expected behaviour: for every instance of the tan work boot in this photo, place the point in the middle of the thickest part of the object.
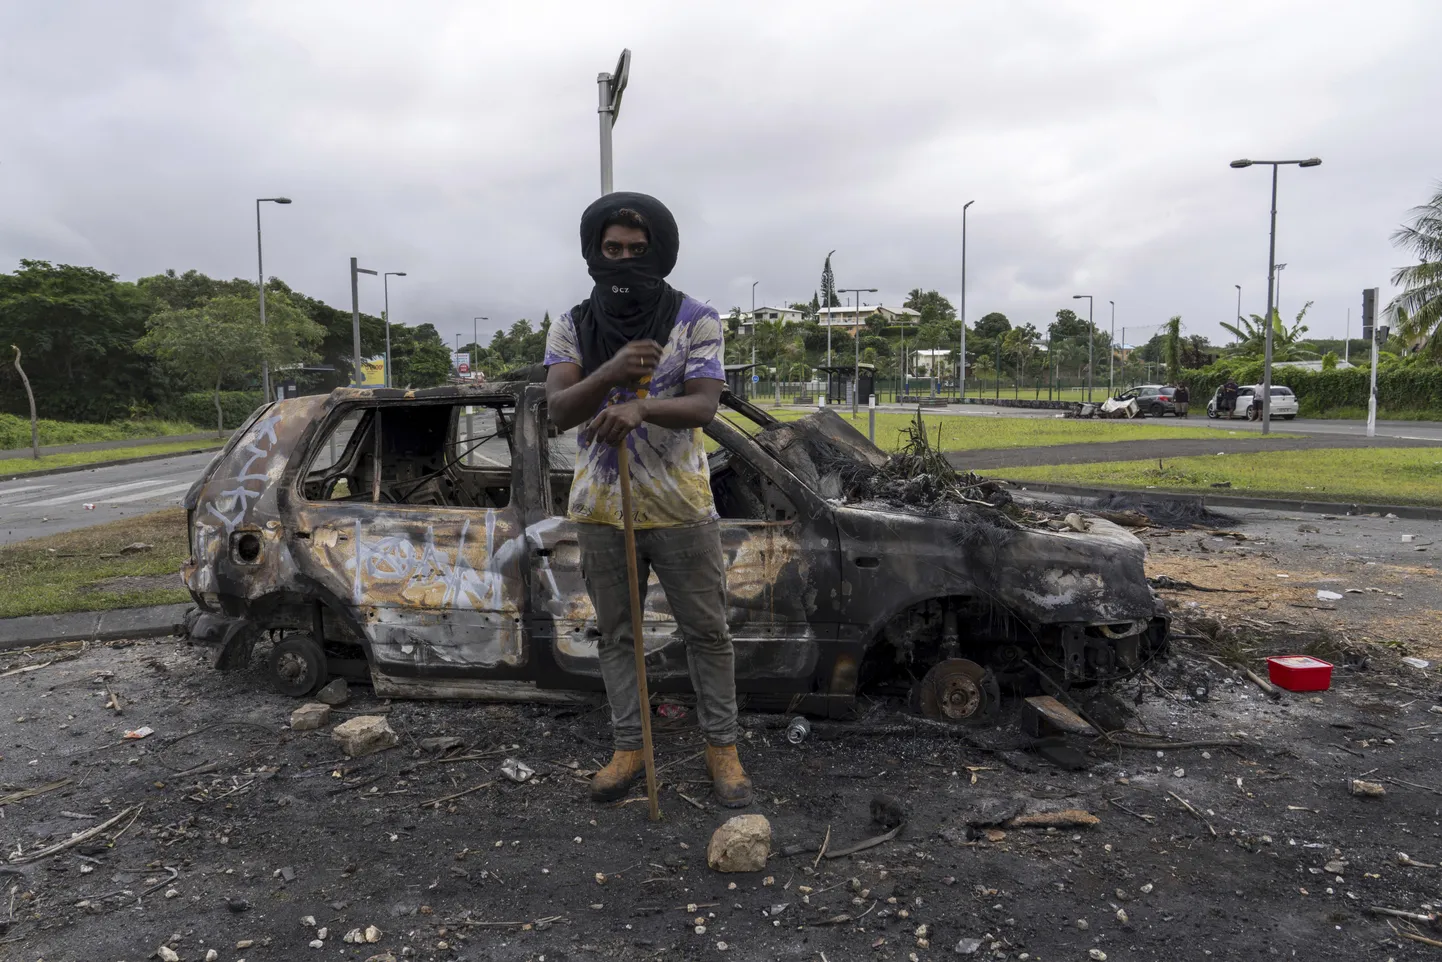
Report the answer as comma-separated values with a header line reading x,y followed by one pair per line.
x,y
615,780
728,779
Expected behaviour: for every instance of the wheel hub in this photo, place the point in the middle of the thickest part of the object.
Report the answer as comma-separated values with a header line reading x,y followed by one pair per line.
x,y
959,690
291,667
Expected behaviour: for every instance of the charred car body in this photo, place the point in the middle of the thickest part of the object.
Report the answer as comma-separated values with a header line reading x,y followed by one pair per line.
x,y
420,537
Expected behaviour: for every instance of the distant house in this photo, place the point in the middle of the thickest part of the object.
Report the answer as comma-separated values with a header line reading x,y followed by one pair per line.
x,y
786,315
852,317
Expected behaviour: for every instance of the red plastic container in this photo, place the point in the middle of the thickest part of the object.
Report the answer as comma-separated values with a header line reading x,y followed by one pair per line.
x,y
1299,673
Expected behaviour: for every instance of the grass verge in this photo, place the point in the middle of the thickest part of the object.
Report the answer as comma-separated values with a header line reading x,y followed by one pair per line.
x,y
84,570
975,433
15,431
1376,475
10,467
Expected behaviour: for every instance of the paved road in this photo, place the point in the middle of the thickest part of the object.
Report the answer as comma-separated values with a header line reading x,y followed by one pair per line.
x,y
1404,430
32,507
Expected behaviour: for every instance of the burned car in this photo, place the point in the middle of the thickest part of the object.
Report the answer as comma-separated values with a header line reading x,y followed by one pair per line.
x,y
420,539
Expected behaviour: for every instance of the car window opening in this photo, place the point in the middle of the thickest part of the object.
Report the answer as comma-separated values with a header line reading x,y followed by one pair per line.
x,y
441,455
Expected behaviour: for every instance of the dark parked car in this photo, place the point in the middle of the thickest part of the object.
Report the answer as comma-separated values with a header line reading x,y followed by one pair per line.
x,y
1153,400
419,539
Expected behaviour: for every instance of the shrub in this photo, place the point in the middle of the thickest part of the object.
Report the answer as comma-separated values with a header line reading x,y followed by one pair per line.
x,y
199,407
1400,386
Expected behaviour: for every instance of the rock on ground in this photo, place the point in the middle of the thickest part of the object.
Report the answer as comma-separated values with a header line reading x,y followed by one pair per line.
x,y
335,693
309,717
364,734
742,844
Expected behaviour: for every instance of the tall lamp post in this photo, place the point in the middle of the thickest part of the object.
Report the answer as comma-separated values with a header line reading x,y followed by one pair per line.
x,y
609,87
355,318
753,324
1091,342
260,264
476,340
1271,279
1280,268
856,340
386,284
1112,354
961,376
1239,302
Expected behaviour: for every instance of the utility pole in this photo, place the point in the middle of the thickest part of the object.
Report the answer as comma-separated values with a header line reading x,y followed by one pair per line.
x,y
355,319
856,341
1379,336
609,87
961,376
386,284
260,264
1271,280
1112,355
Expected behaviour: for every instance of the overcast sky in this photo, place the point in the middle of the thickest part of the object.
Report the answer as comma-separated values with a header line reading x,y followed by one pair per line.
x,y
458,142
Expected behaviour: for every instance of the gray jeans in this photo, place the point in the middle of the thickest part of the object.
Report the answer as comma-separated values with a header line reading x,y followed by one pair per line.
x,y
692,570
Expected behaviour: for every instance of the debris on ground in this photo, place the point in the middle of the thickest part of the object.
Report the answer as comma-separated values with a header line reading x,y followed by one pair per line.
x,y
741,844
517,770
335,693
364,735
309,717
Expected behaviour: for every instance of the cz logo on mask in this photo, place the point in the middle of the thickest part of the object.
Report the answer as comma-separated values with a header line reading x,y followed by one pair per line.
x,y
620,290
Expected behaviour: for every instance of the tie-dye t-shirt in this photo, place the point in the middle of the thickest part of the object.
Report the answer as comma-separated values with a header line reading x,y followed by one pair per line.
x,y
670,480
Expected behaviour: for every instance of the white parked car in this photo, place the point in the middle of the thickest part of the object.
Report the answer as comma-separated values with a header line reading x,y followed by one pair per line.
x,y
1284,402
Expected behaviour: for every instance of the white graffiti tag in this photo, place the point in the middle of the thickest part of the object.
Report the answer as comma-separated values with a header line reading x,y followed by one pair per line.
x,y
232,504
425,571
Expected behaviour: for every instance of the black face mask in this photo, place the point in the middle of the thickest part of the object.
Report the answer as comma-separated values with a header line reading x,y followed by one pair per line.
x,y
631,300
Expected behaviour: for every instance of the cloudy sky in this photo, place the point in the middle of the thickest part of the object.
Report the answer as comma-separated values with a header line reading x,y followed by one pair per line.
x,y
457,142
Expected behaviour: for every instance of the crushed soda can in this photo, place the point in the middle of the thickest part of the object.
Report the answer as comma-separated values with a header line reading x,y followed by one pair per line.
x,y
797,730
668,710
517,770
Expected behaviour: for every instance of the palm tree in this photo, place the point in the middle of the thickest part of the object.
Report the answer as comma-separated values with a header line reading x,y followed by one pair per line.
x,y
1417,311
1286,342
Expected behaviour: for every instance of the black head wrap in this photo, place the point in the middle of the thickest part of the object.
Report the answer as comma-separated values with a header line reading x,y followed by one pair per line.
x,y
631,300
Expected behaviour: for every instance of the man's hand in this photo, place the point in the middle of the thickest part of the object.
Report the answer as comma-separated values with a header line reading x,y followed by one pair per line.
x,y
615,422
631,364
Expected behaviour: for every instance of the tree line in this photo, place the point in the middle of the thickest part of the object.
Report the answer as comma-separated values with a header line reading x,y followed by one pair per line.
x,y
96,348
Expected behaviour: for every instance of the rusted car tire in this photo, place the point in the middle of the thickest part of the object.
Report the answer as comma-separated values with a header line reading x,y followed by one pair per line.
x,y
297,665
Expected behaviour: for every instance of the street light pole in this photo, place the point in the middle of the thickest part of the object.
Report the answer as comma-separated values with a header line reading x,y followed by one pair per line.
x,y
856,341
476,341
1271,279
260,264
753,326
386,284
609,88
1091,342
1280,268
1239,302
1112,354
355,319
961,376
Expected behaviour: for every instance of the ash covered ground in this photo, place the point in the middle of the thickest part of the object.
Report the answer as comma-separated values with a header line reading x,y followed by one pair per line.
x,y
245,838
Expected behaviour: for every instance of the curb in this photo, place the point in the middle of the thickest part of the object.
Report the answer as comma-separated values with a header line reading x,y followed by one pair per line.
x,y
91,466
156,621
12,454
1411,512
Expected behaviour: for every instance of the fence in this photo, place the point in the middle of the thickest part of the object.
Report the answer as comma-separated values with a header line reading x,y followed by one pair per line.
x,y
891,390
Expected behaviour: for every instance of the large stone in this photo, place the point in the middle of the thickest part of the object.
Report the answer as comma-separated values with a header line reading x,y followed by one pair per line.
x,y
335,693
309,717
742,844
364,734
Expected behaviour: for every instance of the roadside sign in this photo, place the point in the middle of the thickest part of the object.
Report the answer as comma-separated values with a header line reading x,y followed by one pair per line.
x,y
755,379
618,83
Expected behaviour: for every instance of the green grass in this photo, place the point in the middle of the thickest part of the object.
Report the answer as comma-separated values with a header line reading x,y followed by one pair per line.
x,y
975,433
15,431
9,467
59,573
1377,475
1360,413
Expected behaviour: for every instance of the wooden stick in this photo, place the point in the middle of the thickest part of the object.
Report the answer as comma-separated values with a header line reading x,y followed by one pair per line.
x,y
638,638
1188,806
